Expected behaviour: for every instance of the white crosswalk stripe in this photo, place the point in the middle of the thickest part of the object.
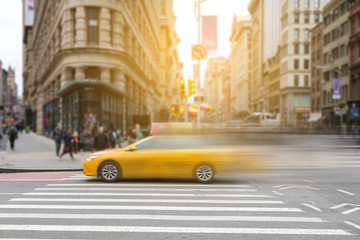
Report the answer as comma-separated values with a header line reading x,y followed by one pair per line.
x,y
156,208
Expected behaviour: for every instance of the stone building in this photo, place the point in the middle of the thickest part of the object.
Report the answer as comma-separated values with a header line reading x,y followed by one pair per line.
x,y
298,17
265,37
272,71
213,85
240,65
226,93
112,63
335,65
354,48
316,68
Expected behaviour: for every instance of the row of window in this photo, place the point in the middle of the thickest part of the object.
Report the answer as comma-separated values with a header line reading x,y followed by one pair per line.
x,y
336,33
327,96
335,54
336,73
306,81
301,99
307,3
336,13
306,48
306,17
297,34
315,105
297,64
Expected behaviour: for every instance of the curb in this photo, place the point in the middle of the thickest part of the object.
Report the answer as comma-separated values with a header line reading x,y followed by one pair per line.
x,y
24,170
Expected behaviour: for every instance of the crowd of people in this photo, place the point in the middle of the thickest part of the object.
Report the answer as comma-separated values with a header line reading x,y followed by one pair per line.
x,y
111,139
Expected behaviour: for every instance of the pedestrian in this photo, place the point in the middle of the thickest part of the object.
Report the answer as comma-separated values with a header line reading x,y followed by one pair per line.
x,y
101,141
75,139
12,137
67,144
112,136
130,136
138,132
58,136
119,138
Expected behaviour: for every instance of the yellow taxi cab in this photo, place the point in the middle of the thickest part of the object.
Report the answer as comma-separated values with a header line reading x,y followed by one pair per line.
x,y
164,156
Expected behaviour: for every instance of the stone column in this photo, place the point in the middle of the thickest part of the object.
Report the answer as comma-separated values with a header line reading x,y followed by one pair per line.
x,y
39,111
118,30
79,73
105,75
105,27
65,77
66,30
80,38
119,79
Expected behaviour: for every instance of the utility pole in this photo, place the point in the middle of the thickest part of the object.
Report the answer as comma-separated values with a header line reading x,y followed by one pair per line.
x,y
198,18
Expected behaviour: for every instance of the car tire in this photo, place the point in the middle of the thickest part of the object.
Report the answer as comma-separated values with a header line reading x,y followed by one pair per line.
x,y
204,173
109,171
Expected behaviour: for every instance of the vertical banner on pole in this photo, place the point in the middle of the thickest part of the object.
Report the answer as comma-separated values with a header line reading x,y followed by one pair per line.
x,y
336,88
209,33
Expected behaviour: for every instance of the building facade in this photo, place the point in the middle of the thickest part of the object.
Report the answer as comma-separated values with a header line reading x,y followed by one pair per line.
x,y
297,19
226,93
213,86
266,26
240,65
107,63
354,48
335,58
272,71
316,68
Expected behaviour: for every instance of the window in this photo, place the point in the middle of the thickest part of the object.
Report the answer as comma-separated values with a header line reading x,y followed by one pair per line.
x,y
317,3
317,17
306,64
296,18
306,48
92,25
306,80
307,18
306,34
305,99
297,4
296,48
296,80
296,99
307,3
342,50
296,34
296,64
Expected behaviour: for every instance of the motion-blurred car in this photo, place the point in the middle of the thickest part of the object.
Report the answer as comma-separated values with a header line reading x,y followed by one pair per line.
x,y
199,157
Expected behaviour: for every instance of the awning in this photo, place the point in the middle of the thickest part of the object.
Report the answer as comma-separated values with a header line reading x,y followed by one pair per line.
x,y
314,117
323,117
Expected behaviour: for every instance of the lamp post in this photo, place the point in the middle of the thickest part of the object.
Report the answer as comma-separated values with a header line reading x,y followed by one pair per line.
x,y
198,19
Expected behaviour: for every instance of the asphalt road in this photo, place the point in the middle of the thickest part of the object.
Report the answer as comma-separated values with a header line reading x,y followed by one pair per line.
x,y
285,204
312,193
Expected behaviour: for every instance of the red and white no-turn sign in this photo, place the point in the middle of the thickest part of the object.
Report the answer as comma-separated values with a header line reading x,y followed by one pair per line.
x,y
198,52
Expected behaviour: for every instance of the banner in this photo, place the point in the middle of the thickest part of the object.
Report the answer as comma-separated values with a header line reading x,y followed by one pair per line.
x,y
29,12
209,32
336,88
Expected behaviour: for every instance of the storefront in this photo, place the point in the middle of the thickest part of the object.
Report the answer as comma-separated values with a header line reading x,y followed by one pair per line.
x,y
51,116
90,106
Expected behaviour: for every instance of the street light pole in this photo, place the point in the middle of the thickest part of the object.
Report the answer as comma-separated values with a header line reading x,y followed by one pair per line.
x,y
198,18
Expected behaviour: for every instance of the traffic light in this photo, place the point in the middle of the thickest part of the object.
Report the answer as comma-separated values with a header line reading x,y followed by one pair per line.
x,y
191,87
175,109
182,88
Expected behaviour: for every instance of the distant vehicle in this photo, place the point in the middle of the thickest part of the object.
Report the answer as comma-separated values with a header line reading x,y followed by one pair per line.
x,y
197,157
256,121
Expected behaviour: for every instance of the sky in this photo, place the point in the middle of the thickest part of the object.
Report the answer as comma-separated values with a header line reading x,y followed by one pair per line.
x,y
186,27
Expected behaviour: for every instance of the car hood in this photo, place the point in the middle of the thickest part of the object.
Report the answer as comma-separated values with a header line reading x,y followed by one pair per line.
x,y
107,151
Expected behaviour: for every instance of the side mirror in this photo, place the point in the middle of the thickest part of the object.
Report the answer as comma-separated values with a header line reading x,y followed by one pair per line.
x,y
132,148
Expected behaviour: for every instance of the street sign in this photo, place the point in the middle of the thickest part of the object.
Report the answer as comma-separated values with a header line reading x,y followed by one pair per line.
x,y
199,99
198,52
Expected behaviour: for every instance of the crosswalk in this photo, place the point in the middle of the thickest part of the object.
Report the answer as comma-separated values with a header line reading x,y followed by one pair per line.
x,y
142,210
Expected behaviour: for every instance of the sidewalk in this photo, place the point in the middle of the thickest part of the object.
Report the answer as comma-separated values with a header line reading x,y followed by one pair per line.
x,y
33,151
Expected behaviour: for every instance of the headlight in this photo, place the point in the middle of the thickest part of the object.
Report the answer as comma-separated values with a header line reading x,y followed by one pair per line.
x,y
91,158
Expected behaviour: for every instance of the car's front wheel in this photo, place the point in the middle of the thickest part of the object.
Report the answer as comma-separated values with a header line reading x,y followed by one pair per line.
x,y
204,173
109,171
